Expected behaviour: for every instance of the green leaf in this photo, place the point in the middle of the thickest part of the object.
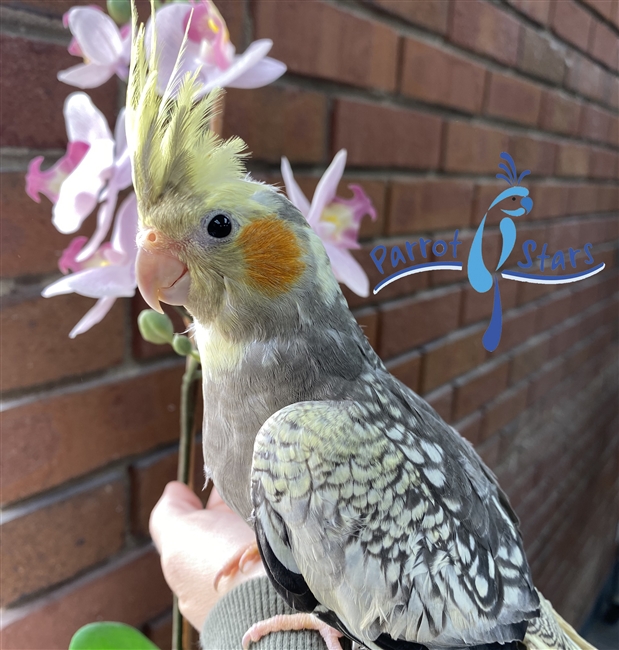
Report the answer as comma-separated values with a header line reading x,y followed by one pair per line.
x,y
110,636
182,345
119,10
155,327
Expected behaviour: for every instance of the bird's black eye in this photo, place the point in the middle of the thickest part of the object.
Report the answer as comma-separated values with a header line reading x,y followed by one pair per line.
x,y
219,226
513,198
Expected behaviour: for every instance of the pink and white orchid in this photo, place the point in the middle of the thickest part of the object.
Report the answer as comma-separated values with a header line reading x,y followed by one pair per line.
x,y
105,48
94,160
107,274
336,221
208,50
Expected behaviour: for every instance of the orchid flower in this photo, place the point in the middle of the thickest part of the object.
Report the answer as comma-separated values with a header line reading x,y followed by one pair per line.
x,y
93,160
105,48
107,274
336,221
208,50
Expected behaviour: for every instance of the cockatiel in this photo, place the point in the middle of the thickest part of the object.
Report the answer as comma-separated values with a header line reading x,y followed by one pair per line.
x,y
369,510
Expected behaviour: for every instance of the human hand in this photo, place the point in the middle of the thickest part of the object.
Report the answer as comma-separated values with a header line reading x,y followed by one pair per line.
x,y
194,544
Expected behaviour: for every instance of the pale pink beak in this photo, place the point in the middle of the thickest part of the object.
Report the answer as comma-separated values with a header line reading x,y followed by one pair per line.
x,y
160,275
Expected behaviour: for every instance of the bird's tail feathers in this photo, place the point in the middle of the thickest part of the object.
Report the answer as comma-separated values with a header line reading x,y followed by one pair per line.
x,y
551,632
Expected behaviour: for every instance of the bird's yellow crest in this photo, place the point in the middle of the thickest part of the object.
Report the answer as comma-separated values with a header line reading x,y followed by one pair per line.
x,y
172,148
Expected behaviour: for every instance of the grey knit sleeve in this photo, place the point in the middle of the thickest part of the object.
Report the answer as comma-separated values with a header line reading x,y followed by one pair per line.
x,y
249,603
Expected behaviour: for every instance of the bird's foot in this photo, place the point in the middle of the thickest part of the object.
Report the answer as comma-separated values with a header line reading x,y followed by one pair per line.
x,y
238,562
286,622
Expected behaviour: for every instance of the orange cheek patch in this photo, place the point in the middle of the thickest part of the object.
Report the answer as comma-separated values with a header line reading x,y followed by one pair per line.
x,y
272,254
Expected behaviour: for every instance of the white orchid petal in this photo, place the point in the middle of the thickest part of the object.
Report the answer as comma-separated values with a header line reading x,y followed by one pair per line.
x,y
262,74
295,194
170,34
79,193
85,122
86,75
97,35
126,228
99,282
348,271
93,316
120,135
105,216
242,64
327,187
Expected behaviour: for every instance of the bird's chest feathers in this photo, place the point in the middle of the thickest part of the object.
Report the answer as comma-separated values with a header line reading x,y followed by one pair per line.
x,y
218,354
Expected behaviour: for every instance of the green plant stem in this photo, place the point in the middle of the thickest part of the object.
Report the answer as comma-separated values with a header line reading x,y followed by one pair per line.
x,y
187,407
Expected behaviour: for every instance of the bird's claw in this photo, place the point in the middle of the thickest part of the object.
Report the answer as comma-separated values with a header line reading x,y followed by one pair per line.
x,y
287,622
238,562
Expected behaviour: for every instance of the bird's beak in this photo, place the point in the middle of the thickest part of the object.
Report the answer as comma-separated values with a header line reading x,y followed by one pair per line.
x,y
160,275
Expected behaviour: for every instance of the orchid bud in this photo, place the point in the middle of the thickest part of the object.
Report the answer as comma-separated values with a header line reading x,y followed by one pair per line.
x,y
182,345
155,328
119,10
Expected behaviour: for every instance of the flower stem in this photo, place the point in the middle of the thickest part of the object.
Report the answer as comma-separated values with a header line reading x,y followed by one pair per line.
x,y
188,407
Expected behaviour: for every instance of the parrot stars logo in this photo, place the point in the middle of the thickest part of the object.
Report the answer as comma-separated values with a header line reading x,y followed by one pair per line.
x,y
479,276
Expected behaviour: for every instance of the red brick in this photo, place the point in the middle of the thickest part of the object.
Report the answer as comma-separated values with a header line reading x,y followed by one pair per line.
x,y
470,427
528,291
29,85
561,235
276,122
486,29
433,75
452,357
549,200
564,339
603,163
572,160
148,478
542,56
604,45
505,409
595,123
480,387
52,542
583,198
159,631
45,352
53,8
401,287
368,320
391,136
406,369
536,154
586,77
559,113
432,14
418,320
485,193
549,377
130,590
421,206
54,439
553,312
320,40
518,326
29,244
529,358
441,401
513,99
537,10
478,306
572,23
473,148
603,7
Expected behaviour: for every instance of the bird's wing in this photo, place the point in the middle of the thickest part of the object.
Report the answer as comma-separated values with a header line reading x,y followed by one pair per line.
x,y
389,531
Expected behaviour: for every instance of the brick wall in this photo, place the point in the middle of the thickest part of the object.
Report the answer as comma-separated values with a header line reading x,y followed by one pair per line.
x,y
424,95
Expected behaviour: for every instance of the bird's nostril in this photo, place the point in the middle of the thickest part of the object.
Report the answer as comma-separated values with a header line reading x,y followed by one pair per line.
x,y
152,237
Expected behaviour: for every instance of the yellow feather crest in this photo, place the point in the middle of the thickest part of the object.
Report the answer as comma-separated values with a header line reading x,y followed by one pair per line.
x,y
172,148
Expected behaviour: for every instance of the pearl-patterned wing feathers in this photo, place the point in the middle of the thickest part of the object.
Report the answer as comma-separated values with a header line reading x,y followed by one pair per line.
x,y
391,520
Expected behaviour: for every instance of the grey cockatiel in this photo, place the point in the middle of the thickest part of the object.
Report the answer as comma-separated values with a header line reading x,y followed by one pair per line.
x,y
369,510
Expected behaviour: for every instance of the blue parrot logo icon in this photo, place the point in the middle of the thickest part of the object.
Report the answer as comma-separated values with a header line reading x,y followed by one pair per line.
x,y
480,277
